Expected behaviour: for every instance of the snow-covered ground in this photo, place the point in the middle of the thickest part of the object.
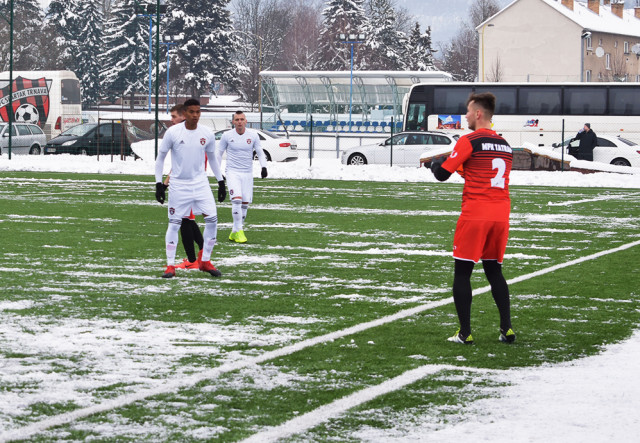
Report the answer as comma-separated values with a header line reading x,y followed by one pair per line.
x,y
592,399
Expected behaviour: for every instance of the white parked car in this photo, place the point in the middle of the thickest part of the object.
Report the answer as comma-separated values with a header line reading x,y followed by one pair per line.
x,y
275,147
26,138
610,149
407,149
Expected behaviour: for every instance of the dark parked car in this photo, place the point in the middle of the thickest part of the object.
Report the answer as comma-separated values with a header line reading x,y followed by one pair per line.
x,y
91,139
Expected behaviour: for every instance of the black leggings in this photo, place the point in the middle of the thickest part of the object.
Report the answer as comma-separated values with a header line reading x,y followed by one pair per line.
x,y
190,233
462,292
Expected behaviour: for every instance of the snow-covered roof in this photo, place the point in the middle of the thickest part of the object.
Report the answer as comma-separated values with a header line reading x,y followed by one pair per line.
x,y
401,78
606,21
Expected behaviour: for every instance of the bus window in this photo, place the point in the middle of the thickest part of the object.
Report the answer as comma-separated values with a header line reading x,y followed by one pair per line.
x,y
70,92
451,100
624,101
539,100
506,98
416,116
579,100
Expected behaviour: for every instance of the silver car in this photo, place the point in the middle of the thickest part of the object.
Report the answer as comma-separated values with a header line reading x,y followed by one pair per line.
x,y
26,138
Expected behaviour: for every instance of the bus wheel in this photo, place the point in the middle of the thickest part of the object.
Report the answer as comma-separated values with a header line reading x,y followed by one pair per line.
x,y
620,162
34,150
357,159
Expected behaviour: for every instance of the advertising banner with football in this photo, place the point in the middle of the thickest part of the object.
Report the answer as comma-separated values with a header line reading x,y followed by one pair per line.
x,y
30,100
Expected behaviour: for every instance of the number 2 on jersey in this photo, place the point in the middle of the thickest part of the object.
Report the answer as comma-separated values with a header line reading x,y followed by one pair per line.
x,y
501,166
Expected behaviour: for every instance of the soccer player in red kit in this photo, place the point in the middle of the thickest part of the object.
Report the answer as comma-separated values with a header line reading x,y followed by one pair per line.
x,y
483,226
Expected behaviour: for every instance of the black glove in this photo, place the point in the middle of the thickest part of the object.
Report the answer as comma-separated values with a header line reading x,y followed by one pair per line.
x,y
222,191
264,174
435,164
161,192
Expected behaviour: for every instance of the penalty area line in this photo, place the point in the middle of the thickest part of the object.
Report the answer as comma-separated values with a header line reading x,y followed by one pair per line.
x,y
169,386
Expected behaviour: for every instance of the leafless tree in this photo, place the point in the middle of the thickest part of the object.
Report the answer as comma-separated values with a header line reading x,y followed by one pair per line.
x,y
302,34
495,72
618,70
461,53
260,25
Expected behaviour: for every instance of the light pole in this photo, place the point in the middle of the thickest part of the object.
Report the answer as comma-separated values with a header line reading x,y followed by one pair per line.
x,y
168,41
351,39
10,105
151,11
482,43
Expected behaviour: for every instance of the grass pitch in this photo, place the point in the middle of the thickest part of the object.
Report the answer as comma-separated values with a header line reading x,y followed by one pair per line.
x,y
86,318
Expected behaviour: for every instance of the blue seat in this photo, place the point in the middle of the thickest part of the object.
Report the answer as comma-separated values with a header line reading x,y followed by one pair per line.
x,y
358,126
343,126
398,126
374,126
303,125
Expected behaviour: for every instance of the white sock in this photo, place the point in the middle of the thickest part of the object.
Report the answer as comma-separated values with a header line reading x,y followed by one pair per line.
x,y
236,213
210,234
171,241
245,207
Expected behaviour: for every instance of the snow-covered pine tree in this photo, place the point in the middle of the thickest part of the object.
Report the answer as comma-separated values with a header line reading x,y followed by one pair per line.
x,y
387,46
341,17
419,54
125,63
27,35
205,53
62,15
89,49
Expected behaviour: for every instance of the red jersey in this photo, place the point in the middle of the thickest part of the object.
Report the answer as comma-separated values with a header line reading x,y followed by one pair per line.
x,y
486,160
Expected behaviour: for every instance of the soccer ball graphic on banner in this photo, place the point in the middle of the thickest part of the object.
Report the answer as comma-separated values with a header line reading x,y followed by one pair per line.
x,y
27,113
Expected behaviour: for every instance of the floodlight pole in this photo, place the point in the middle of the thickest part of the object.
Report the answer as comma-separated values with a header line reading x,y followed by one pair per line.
x,y
351,39
10,106
169,40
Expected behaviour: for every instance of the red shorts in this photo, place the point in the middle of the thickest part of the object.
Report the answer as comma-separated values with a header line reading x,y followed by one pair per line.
x,y
477,240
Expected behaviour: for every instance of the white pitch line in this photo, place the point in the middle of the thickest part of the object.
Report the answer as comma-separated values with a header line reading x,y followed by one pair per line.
x,y
336,408
595,199
174,385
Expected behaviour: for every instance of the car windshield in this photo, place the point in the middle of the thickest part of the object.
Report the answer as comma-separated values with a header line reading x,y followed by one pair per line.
x,y
80,129
270,134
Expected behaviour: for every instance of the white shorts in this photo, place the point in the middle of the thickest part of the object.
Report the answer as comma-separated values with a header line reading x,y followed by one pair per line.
x,y
240,184
183,198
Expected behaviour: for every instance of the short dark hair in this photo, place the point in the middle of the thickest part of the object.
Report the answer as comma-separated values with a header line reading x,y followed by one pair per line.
x,y
485,100
238,112
191,102
178,109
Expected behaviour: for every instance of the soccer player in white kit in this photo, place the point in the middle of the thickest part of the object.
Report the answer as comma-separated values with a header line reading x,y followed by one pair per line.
x,y
240,143
188,142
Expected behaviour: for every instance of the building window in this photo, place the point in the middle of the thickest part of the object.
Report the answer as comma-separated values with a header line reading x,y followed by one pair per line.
x,y
588,39
607,61
600,42
615,44
638,78
599,75
587,76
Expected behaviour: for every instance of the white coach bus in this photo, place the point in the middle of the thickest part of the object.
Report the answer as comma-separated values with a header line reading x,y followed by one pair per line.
x,y
50,99
529,112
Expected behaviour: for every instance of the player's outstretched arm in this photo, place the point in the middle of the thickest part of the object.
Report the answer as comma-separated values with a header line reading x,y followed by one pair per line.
x,y
439,172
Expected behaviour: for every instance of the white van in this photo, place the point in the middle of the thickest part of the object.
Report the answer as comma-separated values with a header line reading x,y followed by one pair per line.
x,y
50,99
